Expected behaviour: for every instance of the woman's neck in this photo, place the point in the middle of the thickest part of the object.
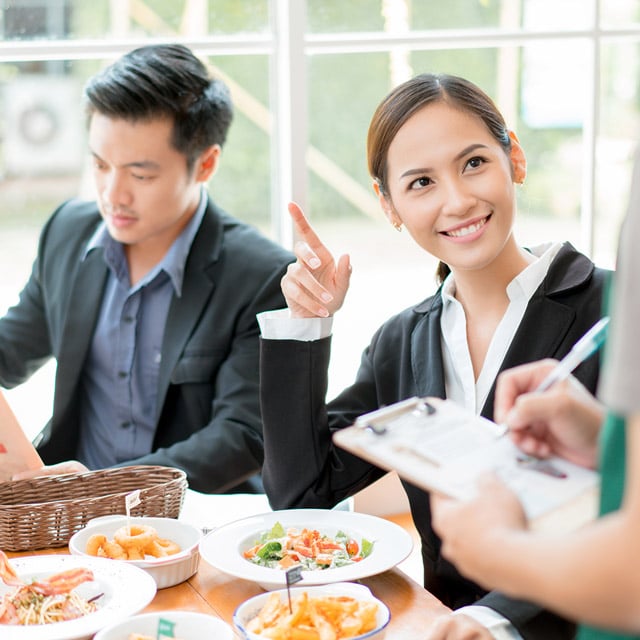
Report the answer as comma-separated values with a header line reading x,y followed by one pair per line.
x,y
483,296
485,288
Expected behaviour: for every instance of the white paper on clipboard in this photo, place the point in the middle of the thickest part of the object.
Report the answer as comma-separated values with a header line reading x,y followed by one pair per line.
x,y
17,453
439,446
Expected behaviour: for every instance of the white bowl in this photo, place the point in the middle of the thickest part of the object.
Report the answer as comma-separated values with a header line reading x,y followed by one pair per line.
x,y
167,571
250,608
188,626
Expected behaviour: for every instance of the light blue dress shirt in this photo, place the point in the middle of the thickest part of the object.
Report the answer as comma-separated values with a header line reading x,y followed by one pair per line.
x,y
119,385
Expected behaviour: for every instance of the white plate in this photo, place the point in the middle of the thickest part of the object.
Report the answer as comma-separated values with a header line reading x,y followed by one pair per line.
x,y
223,547
127,590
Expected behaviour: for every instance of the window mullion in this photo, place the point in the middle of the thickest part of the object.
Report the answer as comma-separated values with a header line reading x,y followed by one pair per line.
x,y
289,108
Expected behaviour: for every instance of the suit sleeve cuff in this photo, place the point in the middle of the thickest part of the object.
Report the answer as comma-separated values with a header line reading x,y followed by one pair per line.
x,y
278,325
499,627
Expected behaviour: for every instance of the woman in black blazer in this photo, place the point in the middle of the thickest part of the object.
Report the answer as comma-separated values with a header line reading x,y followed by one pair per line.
x,y
445,167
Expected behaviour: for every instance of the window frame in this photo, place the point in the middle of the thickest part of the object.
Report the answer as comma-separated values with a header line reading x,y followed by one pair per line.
x,y
289,45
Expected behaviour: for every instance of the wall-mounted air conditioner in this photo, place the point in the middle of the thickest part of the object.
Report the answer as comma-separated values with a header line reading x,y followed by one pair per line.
x,y
44,128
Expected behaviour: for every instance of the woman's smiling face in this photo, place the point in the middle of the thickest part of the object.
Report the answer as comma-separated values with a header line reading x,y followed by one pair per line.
x,y
451,184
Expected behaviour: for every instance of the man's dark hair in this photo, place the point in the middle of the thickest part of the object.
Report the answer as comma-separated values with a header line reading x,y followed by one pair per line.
x,y
165,81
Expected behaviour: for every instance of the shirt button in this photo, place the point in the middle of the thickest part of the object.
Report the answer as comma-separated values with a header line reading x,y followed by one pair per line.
x,y
125,425
122,374
129,319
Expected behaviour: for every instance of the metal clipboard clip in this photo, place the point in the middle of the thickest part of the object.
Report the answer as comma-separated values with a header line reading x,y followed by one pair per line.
x,y
380,422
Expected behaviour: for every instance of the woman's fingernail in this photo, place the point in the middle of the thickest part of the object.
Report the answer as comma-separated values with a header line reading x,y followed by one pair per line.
x,y
314,263
326,297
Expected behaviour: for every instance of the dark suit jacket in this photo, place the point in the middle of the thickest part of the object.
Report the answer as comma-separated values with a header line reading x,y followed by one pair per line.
x,y
404,359
209,423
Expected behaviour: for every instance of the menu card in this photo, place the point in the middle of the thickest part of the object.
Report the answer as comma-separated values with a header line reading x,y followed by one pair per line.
x,y
16,451
440,446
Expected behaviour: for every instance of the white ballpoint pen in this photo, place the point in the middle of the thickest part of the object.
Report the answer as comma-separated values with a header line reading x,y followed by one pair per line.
x,y
581,350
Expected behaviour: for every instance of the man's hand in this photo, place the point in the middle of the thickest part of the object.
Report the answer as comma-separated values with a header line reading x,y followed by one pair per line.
x,y
70,466
457,627
314,285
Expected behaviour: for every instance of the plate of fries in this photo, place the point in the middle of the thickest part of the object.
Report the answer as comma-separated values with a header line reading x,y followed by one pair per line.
x,y
229,547
336,611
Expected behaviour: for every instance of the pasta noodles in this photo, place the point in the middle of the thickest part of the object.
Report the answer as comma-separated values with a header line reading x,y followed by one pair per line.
x,y
26,607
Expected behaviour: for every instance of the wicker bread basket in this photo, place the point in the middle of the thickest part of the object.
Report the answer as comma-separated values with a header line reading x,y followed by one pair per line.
x,y
45,512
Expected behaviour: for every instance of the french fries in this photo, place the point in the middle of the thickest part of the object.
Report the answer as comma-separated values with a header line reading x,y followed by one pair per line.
x,y
313,618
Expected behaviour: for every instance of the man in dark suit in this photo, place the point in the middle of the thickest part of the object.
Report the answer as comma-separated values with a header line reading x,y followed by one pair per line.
x,y
147,298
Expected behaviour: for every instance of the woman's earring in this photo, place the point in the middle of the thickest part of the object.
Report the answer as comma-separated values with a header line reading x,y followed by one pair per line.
x,y
397,226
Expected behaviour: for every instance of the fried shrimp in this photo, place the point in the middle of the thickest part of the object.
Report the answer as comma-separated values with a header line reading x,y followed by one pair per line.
x,y
95,543
162,547
136,537
115,551
98,545
131,543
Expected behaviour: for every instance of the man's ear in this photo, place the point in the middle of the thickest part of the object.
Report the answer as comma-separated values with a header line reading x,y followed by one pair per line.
x,y
207,163
387,207
518,159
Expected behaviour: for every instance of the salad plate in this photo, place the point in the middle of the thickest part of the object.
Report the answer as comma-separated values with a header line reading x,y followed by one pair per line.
x,y
126,590
230,548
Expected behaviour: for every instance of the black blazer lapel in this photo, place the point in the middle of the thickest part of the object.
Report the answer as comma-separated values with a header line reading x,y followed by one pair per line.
x,y
547,320
426,350
82,314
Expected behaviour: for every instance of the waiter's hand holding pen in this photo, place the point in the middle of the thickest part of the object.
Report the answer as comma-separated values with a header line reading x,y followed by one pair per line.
x,y
546,411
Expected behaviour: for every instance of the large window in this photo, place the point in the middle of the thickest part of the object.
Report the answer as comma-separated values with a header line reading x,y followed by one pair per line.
x,y
306,76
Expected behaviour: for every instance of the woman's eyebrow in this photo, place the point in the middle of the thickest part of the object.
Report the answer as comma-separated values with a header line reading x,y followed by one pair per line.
x,y
467,150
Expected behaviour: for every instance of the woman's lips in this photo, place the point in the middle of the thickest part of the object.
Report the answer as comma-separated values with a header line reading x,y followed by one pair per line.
x,y
467,230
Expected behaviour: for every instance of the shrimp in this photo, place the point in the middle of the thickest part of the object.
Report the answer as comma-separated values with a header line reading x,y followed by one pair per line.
x,y
8,573
62,582
8,612
56,584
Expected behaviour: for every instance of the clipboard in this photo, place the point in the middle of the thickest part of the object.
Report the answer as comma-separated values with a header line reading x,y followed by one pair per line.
x,y
440,446
17,453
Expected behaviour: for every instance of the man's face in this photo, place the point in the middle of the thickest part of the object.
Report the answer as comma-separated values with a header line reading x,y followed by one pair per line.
x,y
145,193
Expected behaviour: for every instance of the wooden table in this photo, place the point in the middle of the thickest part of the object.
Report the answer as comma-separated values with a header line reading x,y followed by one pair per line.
x,y
210,591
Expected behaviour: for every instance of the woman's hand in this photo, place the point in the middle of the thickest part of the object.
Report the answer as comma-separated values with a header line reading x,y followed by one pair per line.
x,y
314,285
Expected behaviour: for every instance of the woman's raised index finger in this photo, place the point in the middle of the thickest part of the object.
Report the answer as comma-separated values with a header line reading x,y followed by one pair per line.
x,y
303,228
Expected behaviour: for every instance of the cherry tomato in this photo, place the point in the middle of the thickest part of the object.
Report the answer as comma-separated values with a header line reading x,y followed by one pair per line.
x,y
352,547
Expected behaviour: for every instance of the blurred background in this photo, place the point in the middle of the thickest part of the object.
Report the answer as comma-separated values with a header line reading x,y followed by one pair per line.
x,y
306,76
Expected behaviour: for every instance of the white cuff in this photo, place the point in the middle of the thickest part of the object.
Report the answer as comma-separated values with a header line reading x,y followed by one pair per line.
x,y
279,325
499,627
